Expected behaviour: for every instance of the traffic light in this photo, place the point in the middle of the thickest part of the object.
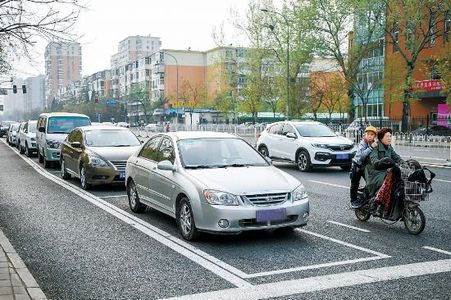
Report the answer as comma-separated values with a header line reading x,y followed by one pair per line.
x,y
14,89
24,88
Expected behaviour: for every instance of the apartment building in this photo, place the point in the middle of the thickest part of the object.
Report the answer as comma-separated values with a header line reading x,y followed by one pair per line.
x,y
63,65
134,48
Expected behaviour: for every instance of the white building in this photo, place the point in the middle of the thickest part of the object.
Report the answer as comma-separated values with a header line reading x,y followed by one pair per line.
x,y
134,48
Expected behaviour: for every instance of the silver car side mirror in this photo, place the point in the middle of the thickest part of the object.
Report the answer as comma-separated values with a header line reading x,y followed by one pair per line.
x,y
166,165
291,135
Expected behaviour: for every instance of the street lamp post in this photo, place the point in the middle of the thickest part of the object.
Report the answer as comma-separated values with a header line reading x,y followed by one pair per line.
x,y
177,88
288,59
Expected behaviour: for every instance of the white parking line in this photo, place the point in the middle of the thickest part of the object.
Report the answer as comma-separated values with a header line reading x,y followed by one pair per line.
x,y
442,180
348,226
325,282
437,250
113,196
330,184
382,255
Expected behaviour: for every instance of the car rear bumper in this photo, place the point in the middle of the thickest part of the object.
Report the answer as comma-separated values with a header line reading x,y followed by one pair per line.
x,y
243,218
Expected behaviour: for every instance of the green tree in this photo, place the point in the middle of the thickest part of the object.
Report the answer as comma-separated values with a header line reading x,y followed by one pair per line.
x,y
139,92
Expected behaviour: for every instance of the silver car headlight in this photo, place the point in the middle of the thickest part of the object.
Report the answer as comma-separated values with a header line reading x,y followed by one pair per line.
x,y
299,193
220,198
322,146
53,144
96,161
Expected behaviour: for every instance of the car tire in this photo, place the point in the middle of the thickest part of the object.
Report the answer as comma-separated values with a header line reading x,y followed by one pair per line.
x,y
185,221
21,149
263,151
133,198
46,162
64,173
40,158
83,180
28,152
346,168
303,161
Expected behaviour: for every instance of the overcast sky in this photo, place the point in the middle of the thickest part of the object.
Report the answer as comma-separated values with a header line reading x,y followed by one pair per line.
x,y
179,23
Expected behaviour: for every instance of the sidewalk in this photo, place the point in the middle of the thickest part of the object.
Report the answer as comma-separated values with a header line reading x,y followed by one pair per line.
x,y
16,282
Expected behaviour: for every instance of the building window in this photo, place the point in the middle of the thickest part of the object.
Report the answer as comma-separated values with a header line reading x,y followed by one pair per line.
x,y
446,26
432,29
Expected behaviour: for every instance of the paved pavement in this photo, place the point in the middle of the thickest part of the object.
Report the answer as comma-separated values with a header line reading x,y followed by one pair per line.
x,y
89,245
16,282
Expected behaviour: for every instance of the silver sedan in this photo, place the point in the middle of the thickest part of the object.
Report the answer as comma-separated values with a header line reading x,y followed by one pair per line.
x,y
213,182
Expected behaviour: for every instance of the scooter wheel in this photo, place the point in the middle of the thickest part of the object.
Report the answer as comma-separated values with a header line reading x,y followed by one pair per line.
x,y
414,220
362,215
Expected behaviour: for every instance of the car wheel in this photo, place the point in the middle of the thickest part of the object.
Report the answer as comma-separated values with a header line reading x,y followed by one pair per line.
x,y
133,198
28,151
40,158
21,149
83,178
46,162
303,161
64,173
346,168
185,220
264,151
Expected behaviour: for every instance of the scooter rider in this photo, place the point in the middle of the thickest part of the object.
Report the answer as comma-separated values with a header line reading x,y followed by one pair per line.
x,y
366,145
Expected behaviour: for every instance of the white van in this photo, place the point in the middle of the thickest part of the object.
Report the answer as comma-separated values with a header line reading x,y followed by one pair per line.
x,y
53,128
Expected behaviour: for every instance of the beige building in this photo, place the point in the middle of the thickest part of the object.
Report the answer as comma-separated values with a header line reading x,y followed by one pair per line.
x,y
63,66
134,48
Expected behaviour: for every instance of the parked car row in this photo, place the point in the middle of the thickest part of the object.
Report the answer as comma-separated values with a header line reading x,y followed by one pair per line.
x,y
207,181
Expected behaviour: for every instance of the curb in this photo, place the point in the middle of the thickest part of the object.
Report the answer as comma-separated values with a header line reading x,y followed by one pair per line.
x,y
28,280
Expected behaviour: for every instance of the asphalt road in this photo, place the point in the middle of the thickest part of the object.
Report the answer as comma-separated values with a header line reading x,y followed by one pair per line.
x,y
82,245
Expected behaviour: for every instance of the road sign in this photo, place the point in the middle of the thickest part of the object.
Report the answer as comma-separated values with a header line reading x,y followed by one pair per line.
x,y
111,102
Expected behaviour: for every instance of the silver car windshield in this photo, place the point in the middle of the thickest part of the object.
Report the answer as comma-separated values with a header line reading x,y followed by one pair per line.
x,y
314,130
110,138
218,153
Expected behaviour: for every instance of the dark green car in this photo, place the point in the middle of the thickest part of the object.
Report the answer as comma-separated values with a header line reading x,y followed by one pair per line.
x,y
97,154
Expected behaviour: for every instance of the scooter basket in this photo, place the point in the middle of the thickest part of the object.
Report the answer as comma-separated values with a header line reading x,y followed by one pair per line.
x,y
415,191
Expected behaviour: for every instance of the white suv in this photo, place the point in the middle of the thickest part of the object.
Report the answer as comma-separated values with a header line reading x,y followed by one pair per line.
x,y
308,144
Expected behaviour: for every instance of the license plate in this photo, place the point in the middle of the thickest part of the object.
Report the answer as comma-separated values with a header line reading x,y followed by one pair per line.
x,y
271,215
342,156
122,175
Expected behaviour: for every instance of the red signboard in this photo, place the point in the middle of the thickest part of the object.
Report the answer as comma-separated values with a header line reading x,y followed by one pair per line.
x,y
429,85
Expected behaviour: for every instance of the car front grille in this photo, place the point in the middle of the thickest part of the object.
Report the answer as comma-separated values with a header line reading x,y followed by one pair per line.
x,y
119,164
254,223
340,147
266,199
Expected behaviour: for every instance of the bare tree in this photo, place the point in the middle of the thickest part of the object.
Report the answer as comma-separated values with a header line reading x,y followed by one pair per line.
x,y
22,22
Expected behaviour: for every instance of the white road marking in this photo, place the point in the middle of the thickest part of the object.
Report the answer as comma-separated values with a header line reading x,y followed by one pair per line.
x,y
348,226
330,184
113,196
428,158
442,180
382,255
437,250
313,267
196,255
325,282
